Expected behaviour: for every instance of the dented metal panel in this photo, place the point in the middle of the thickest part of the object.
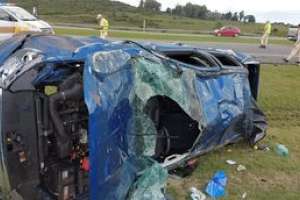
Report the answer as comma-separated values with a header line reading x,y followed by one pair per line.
x,y
118,86
119,82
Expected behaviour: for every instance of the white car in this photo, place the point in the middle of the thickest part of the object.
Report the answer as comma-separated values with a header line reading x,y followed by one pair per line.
x,y
292,33
15,19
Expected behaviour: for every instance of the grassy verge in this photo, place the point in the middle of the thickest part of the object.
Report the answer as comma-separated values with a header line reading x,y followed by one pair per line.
x,y
268,176
164,21
120,14
167,37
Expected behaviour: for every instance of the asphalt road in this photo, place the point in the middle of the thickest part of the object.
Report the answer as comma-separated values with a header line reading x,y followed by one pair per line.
x,y
273,54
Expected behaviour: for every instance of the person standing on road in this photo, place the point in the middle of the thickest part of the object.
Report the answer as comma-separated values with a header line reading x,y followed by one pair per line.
x,y
266,35
296,50
34,11
104,26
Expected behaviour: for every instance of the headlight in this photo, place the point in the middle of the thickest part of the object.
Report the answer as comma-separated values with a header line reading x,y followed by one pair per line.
x,y
47,30
18,63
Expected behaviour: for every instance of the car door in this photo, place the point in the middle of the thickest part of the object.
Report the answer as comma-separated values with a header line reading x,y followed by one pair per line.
x,y
230,31
7,24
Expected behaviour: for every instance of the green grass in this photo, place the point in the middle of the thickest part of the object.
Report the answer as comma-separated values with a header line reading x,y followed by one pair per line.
x,y
166,37
268,176
163,21
120,14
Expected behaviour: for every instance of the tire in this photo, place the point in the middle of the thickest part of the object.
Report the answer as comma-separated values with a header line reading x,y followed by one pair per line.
x,y
236,35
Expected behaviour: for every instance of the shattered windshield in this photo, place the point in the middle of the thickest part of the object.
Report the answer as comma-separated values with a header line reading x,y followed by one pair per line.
x,y
126,91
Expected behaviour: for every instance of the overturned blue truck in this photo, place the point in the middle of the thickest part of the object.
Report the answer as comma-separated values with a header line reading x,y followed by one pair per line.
x,y
85,118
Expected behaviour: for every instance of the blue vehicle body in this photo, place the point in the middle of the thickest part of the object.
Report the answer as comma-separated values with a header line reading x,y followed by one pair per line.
x,y
124,84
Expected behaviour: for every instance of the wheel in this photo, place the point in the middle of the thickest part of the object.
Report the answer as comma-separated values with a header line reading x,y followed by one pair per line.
x,y
219,34
236,35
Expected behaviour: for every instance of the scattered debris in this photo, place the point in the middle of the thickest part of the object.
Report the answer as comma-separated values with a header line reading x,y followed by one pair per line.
x,y
263,180
262,147
241,168
216,186
231,162
244,195
282,150
197,194
186,169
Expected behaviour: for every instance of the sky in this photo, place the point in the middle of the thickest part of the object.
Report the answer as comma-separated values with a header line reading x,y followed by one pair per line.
x,y
287,11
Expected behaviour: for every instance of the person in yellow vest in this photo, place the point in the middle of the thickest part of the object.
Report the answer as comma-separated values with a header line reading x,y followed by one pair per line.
x,y
265,38
104,26
296,50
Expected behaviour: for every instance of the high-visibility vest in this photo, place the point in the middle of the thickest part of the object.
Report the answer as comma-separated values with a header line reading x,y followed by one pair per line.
x,y
104,24
268,28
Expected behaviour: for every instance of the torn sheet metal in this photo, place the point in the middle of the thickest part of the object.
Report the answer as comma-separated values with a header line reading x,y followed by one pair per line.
x,y
116,97
119,81
117,90
112,127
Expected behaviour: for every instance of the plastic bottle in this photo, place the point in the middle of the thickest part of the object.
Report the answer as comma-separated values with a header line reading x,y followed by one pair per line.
x,y
282,150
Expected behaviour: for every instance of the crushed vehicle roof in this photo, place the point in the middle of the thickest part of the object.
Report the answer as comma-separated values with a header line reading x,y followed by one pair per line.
x,y
124,83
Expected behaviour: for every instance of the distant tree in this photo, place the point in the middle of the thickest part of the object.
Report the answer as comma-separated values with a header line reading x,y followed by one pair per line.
x,y
178,10
169,11
250,19
228,16
191,10
242,15
202,12
141,5
152,5
215,15
235,17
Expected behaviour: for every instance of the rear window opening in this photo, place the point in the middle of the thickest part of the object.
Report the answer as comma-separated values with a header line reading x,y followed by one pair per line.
x,y
192,58
226,60
200,59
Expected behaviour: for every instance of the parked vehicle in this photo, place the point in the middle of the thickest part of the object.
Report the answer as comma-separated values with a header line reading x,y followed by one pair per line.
x,y
14,19
228,31
293,33
88,118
